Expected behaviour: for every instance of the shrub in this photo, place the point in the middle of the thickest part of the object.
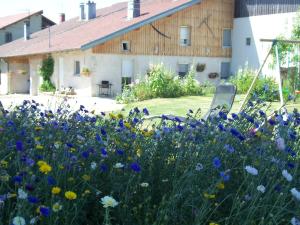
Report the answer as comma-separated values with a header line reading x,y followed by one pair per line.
x,y
80,169
265,87
46,72
161,83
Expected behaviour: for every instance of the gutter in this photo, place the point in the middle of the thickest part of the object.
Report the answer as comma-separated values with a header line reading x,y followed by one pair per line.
x,y
138,25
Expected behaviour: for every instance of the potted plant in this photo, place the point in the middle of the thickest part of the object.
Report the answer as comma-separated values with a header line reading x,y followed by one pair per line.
x,y
200,67
85,71
213,75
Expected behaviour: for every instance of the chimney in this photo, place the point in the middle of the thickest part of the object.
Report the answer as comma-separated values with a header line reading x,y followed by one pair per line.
x,y
134,9
81,12
91,10
62,17
26,30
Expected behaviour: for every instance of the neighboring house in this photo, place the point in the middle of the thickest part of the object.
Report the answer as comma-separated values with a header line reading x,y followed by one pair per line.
x,y
11,29
119,43
255,20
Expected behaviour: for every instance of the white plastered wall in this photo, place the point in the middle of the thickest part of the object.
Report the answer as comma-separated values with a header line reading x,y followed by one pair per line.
x,y
4,88
257,27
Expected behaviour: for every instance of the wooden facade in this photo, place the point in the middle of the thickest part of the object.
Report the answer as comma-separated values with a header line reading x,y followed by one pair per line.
x,y
246,8
206,20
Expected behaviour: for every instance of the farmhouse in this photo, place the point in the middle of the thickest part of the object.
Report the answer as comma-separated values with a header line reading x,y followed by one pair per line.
x,y
118,44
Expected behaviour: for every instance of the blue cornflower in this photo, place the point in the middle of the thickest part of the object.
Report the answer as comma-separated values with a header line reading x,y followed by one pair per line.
x,y
177,119
278,188
51,180
225,176
17,179
103,152
180,128
272,122
261,113
33,199
136,110
103,168
221,127
19,145
85,154
135,120
121,123
146,112
30,162
223,115
135,167
45,211
234,116
98,138
103,132
29,187
291,165
120,152
217,162
229,148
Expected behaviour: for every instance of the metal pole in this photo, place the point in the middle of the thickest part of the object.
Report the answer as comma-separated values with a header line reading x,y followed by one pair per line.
x,y
279,76
255,79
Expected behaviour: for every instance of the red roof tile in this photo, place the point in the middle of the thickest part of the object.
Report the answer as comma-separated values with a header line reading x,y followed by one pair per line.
x,y
74,34
9,20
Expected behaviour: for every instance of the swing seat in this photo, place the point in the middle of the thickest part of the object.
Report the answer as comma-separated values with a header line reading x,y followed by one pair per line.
x,y
297,92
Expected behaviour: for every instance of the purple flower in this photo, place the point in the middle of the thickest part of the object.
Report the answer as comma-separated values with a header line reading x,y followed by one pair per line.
x,y
85,154
135,167
45,211
217,162
19,145
146,112
33,199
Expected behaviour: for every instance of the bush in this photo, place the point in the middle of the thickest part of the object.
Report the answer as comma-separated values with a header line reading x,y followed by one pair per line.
x,y
265,88
47,86
46,72
161,83
76,168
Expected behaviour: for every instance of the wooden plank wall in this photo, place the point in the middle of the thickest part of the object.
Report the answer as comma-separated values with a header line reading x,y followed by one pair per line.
x,y
245,8
146,41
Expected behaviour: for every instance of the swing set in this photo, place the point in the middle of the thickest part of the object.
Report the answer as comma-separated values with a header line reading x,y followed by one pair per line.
x,y
292,76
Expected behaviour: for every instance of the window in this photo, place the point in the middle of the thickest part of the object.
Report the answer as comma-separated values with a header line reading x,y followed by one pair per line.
x,y
77,68
227,38
248,41
185,36
225,70
125,46
125,81
8,37
183,69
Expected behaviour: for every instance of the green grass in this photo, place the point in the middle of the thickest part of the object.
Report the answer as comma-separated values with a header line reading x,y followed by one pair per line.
x,y
180,106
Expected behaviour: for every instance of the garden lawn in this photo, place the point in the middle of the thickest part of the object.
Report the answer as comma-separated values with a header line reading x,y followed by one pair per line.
x,y
180,106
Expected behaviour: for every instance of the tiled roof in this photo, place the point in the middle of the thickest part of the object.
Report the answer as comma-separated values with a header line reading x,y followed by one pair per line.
x,y
9,20
74,34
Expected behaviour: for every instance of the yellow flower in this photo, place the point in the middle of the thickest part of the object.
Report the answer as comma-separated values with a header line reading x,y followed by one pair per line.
x,y
209,196
86,177
120,116
38,128
139,152
70,195
37,138
112,116
213,224
56,190
40,163
221,186
71,179
127,125
39,147
45,168
4,163
72,149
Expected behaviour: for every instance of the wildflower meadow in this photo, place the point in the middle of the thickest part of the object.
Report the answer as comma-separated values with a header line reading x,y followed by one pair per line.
x,y
76,168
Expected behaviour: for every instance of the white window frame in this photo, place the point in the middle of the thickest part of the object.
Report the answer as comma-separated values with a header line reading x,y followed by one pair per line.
x,y
182,40
229,46
128,45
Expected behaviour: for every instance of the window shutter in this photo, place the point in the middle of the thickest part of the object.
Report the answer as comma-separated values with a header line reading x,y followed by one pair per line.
x,y
185,35
227,38
225,70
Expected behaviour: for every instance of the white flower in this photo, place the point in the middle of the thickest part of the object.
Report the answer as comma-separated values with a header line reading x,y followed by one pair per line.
x,y
251,170
295,193
287,175
22,194
18,220
261,188
118,165
33,220
199,167
93,165
295,221
280,143
109,201
144,184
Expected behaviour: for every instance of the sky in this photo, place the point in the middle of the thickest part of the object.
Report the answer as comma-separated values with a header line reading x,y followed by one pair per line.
x,y
51,8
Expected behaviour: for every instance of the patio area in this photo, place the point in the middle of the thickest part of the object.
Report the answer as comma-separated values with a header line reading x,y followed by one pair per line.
x,y
53,102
